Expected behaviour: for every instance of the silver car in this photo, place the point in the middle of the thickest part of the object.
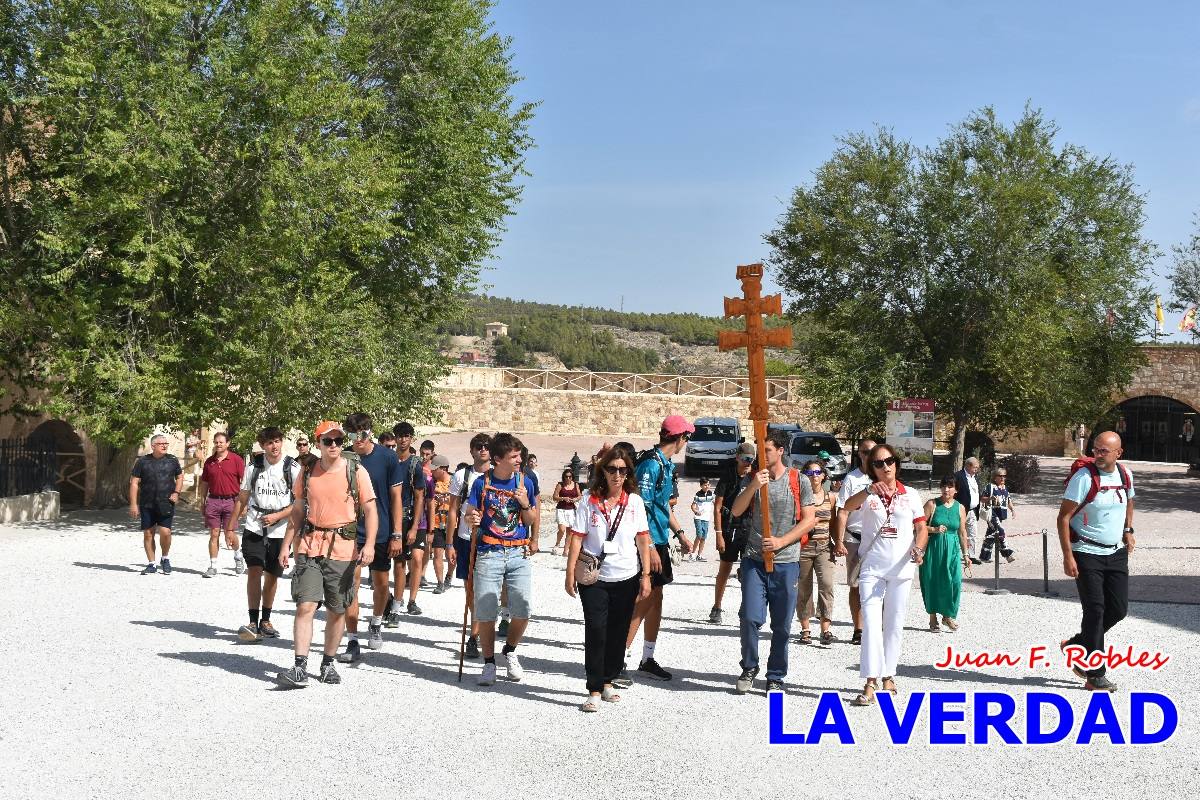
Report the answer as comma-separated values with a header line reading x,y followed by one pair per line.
x,y
809,446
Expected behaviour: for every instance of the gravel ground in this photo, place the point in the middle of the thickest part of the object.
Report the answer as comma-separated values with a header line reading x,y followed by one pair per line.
x,y
141,689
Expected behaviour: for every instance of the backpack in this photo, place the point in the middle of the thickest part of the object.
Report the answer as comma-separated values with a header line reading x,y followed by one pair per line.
x,y
352,465
647,455
259,466
1089,463
414,470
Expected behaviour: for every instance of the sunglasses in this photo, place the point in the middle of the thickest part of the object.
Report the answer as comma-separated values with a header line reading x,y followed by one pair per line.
x,y
812,473
611,470
746,459
880,463
1001,477
333,441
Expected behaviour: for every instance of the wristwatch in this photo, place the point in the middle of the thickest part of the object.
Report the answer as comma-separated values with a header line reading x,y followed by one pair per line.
x,y
1128,530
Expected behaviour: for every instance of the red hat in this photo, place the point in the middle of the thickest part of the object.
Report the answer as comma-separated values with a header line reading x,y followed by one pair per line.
x,y
675,425
326,427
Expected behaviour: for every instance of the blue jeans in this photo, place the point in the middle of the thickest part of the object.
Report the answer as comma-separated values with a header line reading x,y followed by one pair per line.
x,y
496,569
761,591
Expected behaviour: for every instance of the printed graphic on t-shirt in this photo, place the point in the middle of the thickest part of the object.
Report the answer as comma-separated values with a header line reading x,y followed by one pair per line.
x,y
441,504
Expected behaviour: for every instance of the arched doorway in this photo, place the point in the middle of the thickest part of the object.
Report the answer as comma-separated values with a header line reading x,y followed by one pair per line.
x,y
1155,428
72,469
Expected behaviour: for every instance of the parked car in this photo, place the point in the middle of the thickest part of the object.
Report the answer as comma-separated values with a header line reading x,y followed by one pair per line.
x,y
786,427
712,446
808,446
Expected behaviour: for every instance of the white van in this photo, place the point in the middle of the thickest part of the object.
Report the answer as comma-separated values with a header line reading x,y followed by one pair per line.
x,y
712,447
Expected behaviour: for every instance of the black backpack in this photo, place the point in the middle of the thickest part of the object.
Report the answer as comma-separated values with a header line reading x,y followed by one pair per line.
x,y
259,466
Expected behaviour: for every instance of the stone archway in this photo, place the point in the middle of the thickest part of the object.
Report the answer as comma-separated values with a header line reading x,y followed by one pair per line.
x,y
1155,427
72,466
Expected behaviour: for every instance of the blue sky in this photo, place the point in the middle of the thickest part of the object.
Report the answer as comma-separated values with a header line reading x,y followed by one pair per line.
x,y
670,134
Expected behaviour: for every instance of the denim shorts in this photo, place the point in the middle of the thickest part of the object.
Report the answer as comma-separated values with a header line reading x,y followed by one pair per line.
x,y
495,569
701,528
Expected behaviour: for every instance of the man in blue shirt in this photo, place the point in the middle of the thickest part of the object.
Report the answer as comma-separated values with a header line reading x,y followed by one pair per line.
x,y
656,481
1095,529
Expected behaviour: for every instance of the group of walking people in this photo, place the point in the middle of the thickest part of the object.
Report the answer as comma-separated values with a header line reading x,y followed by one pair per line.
x,y
356,503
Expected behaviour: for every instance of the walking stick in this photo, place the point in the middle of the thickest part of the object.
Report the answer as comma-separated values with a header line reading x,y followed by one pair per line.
x,y
469,591
753,306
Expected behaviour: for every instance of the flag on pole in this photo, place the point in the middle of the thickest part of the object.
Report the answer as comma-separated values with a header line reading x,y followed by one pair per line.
x,y
1158,312
1188,323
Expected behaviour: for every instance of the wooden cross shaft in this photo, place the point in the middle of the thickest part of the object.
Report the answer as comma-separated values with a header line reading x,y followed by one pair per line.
x,y
756,338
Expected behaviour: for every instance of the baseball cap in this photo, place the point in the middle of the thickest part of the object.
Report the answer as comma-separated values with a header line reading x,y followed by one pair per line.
x,y
675,425
439,460
327,427
746,449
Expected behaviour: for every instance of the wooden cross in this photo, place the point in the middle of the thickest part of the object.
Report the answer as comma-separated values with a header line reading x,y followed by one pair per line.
x,y
753,306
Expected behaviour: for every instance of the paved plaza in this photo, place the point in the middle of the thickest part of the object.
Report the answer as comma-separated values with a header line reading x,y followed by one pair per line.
x,y
123,685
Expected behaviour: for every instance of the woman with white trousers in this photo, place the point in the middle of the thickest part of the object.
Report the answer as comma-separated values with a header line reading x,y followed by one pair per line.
x,y
892,546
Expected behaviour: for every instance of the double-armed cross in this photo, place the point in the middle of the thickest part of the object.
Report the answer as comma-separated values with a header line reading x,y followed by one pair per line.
x,y
753,306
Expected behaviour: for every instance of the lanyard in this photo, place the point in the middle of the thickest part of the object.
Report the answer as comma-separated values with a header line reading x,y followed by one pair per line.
x,y
611,523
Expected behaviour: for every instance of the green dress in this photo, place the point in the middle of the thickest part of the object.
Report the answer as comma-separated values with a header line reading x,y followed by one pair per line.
x,y
941,571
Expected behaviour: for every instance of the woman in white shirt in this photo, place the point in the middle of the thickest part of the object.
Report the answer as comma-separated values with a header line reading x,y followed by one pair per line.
x,y
893,545
610,525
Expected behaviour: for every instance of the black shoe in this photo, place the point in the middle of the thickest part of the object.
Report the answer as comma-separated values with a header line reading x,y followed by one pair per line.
x,y
295,678
472,648
622,681
975,560
984,560
1099,683
745,681
651,668
857,637
352,655
775,686
330,675
391,619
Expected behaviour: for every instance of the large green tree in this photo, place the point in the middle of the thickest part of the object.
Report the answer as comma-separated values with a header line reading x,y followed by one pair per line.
x,y
998,272
1185,272
250,210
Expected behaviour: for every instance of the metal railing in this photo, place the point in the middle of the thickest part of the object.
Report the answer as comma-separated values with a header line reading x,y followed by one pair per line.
x,y
26,468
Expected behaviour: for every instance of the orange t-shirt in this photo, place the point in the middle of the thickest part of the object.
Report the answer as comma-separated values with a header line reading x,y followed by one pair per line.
x,y
331,506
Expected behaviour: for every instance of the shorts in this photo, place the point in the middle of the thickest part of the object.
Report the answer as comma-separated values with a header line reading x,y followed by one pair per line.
x,y
217,512
668,573
496,569
851,558
462,555
406,553
565,517
382,562
154,517
439,539
261,551
701,528
317,580
735,546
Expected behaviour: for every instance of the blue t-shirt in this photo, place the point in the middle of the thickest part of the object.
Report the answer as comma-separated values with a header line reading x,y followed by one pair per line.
x,y
1103,519
658,504
383,466
501,511
407,478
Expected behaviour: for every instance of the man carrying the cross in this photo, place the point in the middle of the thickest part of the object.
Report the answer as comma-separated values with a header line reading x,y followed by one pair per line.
x,y
793,515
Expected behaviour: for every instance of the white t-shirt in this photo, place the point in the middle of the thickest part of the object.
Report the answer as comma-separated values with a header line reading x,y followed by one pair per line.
x,y
886,553
271,492
854,482
704,505
456,490
591,523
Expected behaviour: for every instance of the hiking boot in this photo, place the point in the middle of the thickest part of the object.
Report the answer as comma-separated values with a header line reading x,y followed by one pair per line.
x,y
375,637
651,668
391,619
857,637
211,572
239,563
413,608
352,654
249,633
622,681
295,677
1010,557
150,569
439,588
515,671
267,630
448,583
745,681
1099,683
472,650
488,676
166,566
424,584
715,616
775,686
329,674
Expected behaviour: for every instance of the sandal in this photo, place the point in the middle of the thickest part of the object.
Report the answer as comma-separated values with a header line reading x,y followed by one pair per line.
x,y
609,695
805,637
866,697
885,683
934,627
827,637
592,704
950,623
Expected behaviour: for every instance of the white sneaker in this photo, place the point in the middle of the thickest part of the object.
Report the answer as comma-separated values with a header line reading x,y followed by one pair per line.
x,y
239,563
515,672
488,676
375,636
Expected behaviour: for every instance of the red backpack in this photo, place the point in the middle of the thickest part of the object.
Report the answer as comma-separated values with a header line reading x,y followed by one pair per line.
x,y
1089,463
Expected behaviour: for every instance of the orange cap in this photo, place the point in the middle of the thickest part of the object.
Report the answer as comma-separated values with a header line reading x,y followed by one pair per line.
x,y
326,427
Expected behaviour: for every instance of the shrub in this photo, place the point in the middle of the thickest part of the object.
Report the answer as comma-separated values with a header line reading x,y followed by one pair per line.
x,y
1022,472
